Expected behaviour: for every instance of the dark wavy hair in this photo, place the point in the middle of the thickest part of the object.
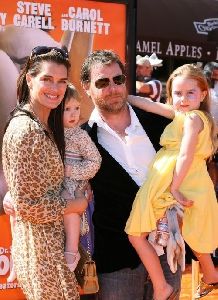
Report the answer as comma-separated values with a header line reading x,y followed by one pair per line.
x,y
33,67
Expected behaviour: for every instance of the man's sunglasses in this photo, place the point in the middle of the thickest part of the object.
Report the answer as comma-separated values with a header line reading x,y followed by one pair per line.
x,y
39,50
104,82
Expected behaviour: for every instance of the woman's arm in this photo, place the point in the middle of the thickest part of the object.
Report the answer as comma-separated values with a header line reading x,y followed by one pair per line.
x,y
151,106
193,125
77,205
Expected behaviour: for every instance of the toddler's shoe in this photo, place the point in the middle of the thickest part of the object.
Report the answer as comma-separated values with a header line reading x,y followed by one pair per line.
x,y
75,257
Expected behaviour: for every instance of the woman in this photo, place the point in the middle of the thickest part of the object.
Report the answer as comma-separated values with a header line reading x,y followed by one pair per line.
x,y
33,152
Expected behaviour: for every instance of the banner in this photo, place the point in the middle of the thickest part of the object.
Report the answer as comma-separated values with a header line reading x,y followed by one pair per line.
x,y
184,29
8,291
82,26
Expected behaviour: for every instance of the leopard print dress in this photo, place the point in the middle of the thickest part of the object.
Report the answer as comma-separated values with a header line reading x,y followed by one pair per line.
x,y
34,174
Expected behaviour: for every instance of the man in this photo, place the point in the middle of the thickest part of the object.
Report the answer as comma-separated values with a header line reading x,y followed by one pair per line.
x,y
127,139
146,86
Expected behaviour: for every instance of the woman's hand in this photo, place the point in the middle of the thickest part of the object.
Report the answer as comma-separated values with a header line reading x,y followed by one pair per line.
x,y
181,199
76,205
8,204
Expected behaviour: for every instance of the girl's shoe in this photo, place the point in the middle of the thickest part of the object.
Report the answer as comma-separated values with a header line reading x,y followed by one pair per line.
x,y
203,289
172,296
75,259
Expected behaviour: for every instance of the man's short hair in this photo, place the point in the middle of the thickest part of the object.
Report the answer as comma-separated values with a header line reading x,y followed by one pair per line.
x,y
104,57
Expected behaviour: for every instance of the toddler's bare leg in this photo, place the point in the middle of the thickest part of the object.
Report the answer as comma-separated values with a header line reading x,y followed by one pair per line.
x,y
72,231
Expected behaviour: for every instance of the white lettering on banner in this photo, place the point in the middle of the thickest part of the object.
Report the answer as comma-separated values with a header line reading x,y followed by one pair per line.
x,y
85,26
206,26
82,19
33,21
4,250
31,8
182,50
5,267
9,285
4,264
33,15
172,49
84,13
5,261
3,18
149,47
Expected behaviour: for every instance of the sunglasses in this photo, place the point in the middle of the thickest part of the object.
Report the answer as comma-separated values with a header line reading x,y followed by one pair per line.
x,y
102,83
39,50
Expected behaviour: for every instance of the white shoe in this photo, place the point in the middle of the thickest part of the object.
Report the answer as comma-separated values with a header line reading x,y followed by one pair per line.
x,y
76,256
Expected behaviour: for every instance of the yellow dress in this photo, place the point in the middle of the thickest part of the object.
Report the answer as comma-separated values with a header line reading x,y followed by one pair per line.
x,y
200,222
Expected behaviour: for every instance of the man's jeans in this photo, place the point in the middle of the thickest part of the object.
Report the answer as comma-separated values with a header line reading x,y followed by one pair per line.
x,y
128,284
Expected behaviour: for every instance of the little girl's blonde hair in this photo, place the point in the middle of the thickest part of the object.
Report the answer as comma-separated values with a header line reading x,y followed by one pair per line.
x,y
193,72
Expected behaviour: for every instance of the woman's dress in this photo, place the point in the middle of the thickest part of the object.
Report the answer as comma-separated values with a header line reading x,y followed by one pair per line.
x,y
34,174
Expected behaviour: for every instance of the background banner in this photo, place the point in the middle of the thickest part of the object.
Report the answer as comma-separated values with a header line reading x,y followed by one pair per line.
x,y
81,26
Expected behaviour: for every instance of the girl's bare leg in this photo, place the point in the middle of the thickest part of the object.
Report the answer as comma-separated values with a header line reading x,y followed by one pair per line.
x,y
210,274
148,256
72,231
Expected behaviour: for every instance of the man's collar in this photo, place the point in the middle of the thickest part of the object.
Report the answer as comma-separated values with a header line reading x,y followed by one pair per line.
x,y
95,117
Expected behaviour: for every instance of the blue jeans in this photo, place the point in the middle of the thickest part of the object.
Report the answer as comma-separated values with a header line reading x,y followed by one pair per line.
x,y
128,284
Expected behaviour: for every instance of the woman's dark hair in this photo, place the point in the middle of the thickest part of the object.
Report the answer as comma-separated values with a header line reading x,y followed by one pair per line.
x,y
33,67
55,122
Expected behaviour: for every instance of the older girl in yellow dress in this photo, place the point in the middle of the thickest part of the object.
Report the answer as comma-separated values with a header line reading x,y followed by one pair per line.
x,y
179,173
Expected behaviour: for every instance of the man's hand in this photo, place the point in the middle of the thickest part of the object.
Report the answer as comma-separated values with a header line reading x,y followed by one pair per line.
x,y
8,204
